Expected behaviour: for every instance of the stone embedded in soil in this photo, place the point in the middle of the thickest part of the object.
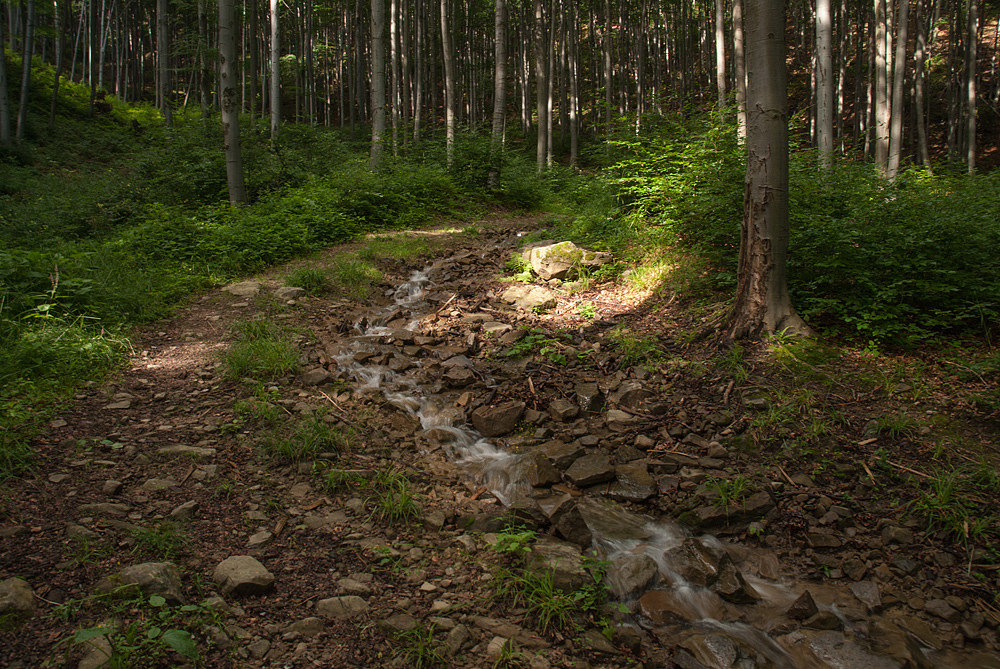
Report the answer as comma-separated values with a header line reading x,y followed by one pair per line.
x,y
111,487
619,420
96,654
894,534
289,293
307,627
459,377
563,410
185,511
243,288
594,641
315,376
260,539
631,574
17,599
528,298
497,647
243,575
943,610
350,586
634,483
157,485
123,404
560,559
589,397
752,508
104,509
152,578
493,421
561,454
633,395
591,469
400,623
342,608
79,533
539,472
803,607
868,594
457,638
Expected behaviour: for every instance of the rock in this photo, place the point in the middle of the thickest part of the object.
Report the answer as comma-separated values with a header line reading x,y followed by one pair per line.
x,y
822,620
307,627
560,559
242,575
529,298
59,478
894,534
351,586
260,539
695,562
152,578
634,483
589,397
562,260
572,527
400,622
258,648
632,574
803,607
667,607
563,410
316,376
731,585
286,293
713,650
17,599
111,487
80,533
459,377
943,610
342,608
610,521
157,485
190,451
752,508
497,647
498,420
868,594
457,638
889,639
591,469
243,288
185,511
539,472
633,395
97,653
560,454
123,404
618,420
596,642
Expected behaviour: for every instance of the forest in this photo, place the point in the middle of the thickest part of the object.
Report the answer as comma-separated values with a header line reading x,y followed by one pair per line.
x,y
802,204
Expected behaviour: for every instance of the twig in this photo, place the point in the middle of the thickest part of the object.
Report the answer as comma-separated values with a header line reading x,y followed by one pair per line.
x,y
869,472
907,469
188,475
340,415
441,308
787,477
949,362
729,389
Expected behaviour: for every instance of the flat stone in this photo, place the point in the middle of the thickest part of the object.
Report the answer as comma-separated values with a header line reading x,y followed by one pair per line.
x,y
497,420
667,607
400,622
259,539
868,594
350,586
561,454
307,627
97,653
104,509
315,376
539,471
342,608
59,478
589,397
286,293
17,599
243,288
459,377
243,575
591,469
696,562
157,485
560,559
528,298
631,574
563,410
153,578
596,642
609,520
943,610
894,534
123,404
633,484
189,451
185,511
713,650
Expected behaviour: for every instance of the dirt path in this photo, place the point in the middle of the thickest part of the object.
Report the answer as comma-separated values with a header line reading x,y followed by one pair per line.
x,y
175,462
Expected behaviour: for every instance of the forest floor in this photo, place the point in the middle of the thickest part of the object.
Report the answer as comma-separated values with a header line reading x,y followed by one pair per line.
x,y
822,468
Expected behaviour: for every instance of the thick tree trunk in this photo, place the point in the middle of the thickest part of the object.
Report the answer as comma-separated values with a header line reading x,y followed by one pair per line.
x,y
275,74
898,79
230,107
163,61
541,85
824,82
919,58
499,91
396,84
29,51
720,51
762,301
881,128
740,69
4,97
378,84
449,84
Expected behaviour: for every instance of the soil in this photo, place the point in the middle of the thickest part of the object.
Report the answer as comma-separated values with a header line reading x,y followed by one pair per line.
x,y
842,443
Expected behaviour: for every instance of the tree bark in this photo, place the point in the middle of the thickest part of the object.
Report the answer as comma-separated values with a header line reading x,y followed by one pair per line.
x,y
58,39
396,84
230,107
163,61
29,50
541,85
378,83
740,68
762,301
899,76
499,91
4,97
275,74
449,84
824,82
919,58
970,86
720,51
204,78
881,128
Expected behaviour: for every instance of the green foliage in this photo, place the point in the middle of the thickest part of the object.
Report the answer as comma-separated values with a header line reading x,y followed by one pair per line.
x,y
392,496
538,341
355,276
165,541
518,268
951,503
261,351
733,362
307,439
730,491
421,649
635,349
311,279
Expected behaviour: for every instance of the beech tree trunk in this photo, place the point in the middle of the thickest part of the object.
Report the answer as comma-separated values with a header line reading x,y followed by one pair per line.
x,y
499,91
378,83
720,51
896,113
449,84
58,39
824,82
740,69
29,51
881,127
541,85
4,97
230,105
275,74
970,86
762,301
163,61
919,58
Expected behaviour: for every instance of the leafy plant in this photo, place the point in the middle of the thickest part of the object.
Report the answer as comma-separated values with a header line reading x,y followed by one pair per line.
x,y
261,351
587,310
312,279
734,363
165,541
729,491
308,438
392,496
420,648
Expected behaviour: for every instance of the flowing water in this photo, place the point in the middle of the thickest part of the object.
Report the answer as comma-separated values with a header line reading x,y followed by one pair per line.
x,y
718,633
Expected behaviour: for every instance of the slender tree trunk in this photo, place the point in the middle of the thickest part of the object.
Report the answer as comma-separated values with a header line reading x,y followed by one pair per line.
x,y
449,84
574,90
541,85
58,38
608,74
899,76
163,61
204,76
919,57
762,301
396,84
275,74
252,42
378,84
230,108
499,91
720,51
418,83
29,49
824,82
740,67
970,86
881,90
4,97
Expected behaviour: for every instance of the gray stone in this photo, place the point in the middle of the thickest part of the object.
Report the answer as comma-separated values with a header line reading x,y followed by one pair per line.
x,y
152,578
596,642
633,395
667,607
259,539
589,397
258,648
562,260
563,410
631,574
539,471
752,508
731,585
97,653
342,608
123,404
868,594
286,293
713,650
111,487
17,599
243,288
571,526
350,586
242,575
803,607
156,485
498,420
943,610
560,559
315,376
307,627
459,377
185,511
457,638
894,534
80,533
591,469
634,483
610,521
400,622
696,562
189,451
530,298
561,454
497,647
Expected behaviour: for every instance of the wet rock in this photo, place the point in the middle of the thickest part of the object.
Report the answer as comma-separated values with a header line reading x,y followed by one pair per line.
x,y
152,578
342,608
731,586
609,520
571,526
539,472
562,260
589,397
670,607
563,410
868,594
459,377
17,599
631,574
943,610
812,648
561,454
243,288
591,469
315,376
713,650
498,420
891,640
530,298
803,607
560,559
634,483
242,575
695,562
822,620
855,569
